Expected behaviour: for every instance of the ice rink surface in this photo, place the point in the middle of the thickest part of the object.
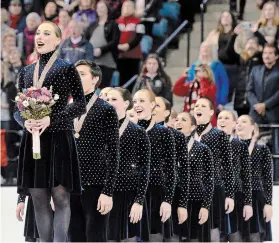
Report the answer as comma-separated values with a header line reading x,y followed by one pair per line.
x,y
12,230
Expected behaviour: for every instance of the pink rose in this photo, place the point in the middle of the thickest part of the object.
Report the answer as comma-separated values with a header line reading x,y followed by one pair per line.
x,y
44,98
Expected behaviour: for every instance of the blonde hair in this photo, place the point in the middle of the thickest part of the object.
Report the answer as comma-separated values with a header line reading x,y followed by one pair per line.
x,y
263,21
220,27
231,113
209,72
9,34
56,28
252,121
150,94
209,46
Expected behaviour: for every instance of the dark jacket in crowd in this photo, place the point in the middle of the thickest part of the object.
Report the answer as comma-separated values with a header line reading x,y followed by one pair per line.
x,y
158,85
246,66
226,52
112,35
263,87
74,52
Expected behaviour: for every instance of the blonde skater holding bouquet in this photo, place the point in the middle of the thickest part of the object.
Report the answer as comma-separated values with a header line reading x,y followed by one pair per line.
x,y
53,169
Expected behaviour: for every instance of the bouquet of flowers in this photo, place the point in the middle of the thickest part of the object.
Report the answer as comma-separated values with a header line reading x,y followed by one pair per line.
x,y
34,103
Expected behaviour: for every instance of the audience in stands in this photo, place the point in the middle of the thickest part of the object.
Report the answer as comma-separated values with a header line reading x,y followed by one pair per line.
x,y
51,12
219,72
223,39
5,28
129,48
251,56
203,85
104,35
263,88
9,41
16,17
64,20
33,21
86,14
68,6
76,47
267,28
154,78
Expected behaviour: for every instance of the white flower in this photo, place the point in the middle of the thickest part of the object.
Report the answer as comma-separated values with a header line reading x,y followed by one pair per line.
x,y
34,100
56,97
16,98
43,106
25,103
52,102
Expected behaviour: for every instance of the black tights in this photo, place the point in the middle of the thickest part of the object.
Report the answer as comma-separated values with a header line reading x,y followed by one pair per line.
x,y
49,228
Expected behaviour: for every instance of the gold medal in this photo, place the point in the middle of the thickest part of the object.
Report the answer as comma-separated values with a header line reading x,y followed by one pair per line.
x,y
76,135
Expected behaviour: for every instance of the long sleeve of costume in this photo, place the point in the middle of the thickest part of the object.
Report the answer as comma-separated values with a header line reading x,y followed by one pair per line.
x,y
181,88
267,174
169,166
144,153
246,175
20,120
78,107
112,136
226,163
21,199
183,164
208,178
252,98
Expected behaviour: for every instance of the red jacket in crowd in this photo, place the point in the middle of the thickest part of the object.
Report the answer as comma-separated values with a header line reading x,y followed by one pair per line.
x,y
130,27
193,91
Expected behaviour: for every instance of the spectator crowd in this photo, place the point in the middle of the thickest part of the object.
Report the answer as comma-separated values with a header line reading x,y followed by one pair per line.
x,y
237,67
